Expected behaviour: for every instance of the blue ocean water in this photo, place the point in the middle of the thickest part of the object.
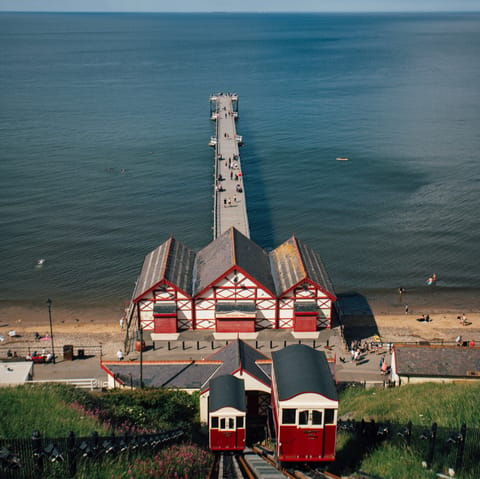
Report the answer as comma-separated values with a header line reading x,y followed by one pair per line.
x,y
104,129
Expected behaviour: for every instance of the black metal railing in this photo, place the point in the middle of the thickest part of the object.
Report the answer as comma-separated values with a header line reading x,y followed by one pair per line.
x,y
438,448
39,457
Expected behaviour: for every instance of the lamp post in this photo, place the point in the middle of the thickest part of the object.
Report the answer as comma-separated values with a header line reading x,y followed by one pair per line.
x,y
49,303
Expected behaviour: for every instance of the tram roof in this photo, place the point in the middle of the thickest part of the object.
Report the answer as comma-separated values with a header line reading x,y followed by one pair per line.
x,y
227,391
301,369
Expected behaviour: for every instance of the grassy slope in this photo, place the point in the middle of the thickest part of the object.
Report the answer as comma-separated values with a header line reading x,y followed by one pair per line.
x,y
43,408
449,405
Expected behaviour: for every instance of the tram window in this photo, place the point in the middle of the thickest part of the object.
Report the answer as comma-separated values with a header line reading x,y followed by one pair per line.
x,y
239,421
288,416
316,418
214,422
222,423
329,416
303,417
231,423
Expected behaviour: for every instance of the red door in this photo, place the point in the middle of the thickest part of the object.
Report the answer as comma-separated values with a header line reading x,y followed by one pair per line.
x,y
305,323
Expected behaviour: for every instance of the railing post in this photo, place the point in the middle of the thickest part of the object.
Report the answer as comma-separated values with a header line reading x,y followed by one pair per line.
x,y
95,443
461,448
431,446
37,454
71,455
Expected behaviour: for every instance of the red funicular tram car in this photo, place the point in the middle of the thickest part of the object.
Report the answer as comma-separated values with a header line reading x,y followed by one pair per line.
x,y
304,404
226,414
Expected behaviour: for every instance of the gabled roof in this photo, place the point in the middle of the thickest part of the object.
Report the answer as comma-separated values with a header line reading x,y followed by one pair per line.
x,y
231,249
294,262
181,374
171,261
301,369
238,355
437,361
227,391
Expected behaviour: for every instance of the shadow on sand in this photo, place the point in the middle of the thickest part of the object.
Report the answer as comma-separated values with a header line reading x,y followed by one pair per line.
x,y
357,317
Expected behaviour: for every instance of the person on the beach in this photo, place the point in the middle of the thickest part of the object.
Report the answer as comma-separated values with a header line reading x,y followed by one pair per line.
x,y
459,340
384,367
356,356
406,309
401,290
463,319
119,355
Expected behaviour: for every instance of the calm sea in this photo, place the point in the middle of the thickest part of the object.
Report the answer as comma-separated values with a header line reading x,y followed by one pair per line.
x,y
104,126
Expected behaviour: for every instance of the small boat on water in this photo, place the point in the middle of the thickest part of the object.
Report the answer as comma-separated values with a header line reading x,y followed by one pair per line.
x,y
40,261
340,158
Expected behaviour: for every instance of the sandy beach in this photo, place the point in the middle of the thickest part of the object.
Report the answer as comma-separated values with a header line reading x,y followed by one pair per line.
x,y
365,315
384,313
80,326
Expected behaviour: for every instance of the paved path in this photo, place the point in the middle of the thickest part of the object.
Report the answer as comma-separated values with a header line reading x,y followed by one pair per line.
x,y
230,204
201,344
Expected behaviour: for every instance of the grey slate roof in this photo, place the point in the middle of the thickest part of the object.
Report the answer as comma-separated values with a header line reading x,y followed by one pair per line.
x,y
171,261
293,262
195,374
299,369
239,355
192,375
231,249
436,361
226,391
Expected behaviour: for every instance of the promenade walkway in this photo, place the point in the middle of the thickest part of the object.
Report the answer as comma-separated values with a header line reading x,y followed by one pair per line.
x,y
229,195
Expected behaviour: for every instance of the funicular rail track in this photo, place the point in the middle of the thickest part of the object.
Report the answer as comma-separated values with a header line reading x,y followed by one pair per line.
x,y
299,471
230,466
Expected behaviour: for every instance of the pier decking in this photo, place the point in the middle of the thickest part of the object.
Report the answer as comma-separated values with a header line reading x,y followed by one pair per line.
x,y
229,190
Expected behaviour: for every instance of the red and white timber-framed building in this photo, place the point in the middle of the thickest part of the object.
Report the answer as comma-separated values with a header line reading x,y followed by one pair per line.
x,y
233,289
304,290
231,286
162,299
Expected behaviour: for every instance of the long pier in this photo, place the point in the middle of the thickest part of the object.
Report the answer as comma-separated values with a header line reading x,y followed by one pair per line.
x,y
230,207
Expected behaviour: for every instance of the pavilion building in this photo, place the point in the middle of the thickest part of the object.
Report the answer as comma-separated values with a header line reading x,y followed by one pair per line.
x,y
232,285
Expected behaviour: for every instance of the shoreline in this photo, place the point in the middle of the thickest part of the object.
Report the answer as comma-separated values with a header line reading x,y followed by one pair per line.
x,y
376,312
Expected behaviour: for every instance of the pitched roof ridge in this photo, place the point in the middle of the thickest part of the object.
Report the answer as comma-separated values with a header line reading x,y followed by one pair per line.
x,y
234,242
166,257
302,262
240,354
